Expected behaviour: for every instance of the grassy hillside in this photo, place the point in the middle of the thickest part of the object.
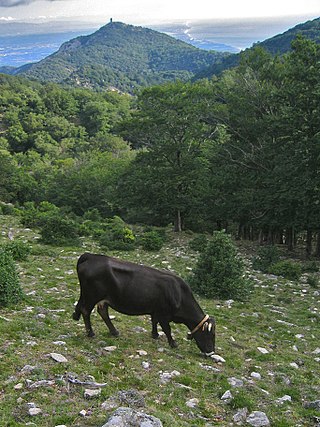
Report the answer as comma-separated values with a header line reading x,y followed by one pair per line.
x,y
121,56
282,317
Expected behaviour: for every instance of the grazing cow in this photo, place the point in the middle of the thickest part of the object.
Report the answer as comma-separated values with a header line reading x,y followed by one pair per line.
x,y
135,289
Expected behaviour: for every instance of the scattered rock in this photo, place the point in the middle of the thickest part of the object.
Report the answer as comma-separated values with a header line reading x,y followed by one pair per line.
x,y
142,353
240,416
192,403
58,357
209,368
123,417
131,398
217,358
255,375
90,394
227,395
312,405
27,369
263,350
83,413
294,365
283,399
316,351
110,348
167,376
235,382
18,386
139,330
34,411
146,365
258,419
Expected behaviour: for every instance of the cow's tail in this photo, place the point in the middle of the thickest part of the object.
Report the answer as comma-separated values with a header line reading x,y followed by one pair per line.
x,y
77,311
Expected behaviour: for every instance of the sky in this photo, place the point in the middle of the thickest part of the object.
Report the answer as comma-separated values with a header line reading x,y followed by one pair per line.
x,y
152,11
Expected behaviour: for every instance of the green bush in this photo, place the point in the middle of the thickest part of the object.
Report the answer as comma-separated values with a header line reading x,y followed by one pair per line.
x,y
56,230
33,215
18,249
310,267
289,269
267,255
219,272
152,240
313,280
199,243
10,290
118,235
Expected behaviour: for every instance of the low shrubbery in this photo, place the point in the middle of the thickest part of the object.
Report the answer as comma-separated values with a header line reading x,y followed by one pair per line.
x,y
117,235
199,243
266,256
219,272
289,269
10,290
57,230
152,240
18,249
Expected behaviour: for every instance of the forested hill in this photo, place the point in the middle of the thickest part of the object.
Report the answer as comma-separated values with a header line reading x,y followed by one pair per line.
x,y
121,56
279,44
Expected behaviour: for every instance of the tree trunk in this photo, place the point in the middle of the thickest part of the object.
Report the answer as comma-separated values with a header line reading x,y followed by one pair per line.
x,y
317,252
178,221
290,238
309,243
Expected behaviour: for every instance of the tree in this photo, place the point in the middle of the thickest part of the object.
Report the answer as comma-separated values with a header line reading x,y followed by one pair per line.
x,y
171,125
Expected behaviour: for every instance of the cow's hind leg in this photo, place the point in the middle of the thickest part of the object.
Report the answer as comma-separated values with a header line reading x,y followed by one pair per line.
x,y
154,333
86,312
167,330
103,311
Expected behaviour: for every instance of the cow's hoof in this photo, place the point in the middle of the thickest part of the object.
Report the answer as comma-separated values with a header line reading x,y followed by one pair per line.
x,y
76,316
91,334
155,336
173,344
115,333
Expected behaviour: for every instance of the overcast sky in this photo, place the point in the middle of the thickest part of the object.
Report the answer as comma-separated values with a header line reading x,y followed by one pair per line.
x,y
144,11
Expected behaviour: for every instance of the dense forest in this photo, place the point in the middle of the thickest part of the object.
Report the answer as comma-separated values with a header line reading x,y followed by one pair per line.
x,y
240,151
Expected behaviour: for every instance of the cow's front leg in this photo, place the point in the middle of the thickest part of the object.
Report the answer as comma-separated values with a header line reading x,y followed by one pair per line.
x,y
154,332
104,313
87,322
167,330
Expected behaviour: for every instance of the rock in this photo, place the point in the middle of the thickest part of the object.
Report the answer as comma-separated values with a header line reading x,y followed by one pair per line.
x,y
294,365
258,419
142,353
255,375
209,368
217,358
313,405
240,416
131,398
18,386
285,398
316,351
83,413
110,348
167,376
146,365
192,403
90,394
58,357
27,369
34,411
124,417
227,395
235,382
263,350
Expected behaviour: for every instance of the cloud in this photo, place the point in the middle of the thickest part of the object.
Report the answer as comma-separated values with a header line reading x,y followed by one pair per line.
x,y
13,3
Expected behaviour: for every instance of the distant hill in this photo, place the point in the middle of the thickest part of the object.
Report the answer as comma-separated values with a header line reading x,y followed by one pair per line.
x,y
123,57
278,44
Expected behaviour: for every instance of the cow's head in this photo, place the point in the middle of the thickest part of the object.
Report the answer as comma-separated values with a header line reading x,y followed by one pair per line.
x,y
205,336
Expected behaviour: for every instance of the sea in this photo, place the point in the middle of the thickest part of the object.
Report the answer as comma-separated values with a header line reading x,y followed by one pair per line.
x,y
20,45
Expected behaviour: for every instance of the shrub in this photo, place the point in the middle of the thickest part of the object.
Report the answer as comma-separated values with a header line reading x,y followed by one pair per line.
x,y
267,255
199,243
310,267
288,269
56,230
18,249
313,280
219,272
36,216
118,235
152,240
10,290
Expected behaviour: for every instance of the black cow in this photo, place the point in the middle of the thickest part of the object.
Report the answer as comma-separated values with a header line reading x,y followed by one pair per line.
x,y
136,289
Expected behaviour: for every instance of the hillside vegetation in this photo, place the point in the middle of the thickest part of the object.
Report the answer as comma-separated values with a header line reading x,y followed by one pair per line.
x,y
277,45
121,56
270,344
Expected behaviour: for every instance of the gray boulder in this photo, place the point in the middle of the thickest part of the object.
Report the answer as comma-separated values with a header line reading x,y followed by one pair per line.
x,y
127,417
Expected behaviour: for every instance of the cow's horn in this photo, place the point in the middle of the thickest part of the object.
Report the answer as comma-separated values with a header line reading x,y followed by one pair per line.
x,y
209,327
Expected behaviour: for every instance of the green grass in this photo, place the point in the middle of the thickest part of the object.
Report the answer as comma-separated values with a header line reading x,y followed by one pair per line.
x,y
28,332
